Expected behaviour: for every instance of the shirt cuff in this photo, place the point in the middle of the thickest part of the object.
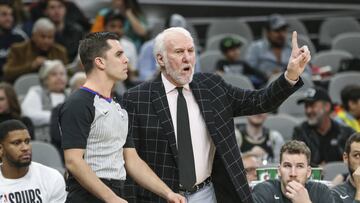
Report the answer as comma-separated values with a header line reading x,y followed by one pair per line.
x,y
292,82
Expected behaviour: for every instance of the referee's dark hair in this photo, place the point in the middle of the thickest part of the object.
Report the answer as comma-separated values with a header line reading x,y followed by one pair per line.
x,y
10,125
94,45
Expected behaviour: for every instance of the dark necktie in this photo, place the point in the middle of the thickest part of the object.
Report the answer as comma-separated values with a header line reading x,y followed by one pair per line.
x,y
187,174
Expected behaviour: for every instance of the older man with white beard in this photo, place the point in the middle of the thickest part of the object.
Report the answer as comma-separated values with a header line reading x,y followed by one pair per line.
x,y
325,137
182,123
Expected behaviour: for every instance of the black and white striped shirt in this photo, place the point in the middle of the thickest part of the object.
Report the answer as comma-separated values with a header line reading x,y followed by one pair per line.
x,y
99,125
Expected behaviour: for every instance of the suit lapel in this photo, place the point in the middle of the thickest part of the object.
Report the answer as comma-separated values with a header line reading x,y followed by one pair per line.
x,y
160,103
203,98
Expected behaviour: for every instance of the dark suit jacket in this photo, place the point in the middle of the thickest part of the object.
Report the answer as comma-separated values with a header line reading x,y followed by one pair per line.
x,y
151,126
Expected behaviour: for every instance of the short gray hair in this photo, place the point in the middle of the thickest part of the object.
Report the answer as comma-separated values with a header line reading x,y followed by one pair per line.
x,y
77,76
48,66
43,24
159,41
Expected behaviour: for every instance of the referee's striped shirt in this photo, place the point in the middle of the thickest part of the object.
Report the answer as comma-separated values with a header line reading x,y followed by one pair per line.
x,y
98,125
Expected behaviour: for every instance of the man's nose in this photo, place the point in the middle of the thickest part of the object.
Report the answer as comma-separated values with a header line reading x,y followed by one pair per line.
x,y
126,59
293,171
186,57
25,146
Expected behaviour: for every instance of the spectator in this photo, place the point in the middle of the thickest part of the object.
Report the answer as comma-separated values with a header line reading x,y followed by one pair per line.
x,y
349,113
324,136
135,26
22,180
28,56
10,107
259,140
75,83
293,185
114,22
73,13
67,34
348,192
8,35
23,23
40,100
251,163
232,64
271,54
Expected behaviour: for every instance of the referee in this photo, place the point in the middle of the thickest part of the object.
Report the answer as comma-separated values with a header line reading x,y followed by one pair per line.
x,y
94,128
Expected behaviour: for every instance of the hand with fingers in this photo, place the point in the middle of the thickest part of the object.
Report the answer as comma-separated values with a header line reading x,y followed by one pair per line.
x,y
356,178
297,193
298,59
175,198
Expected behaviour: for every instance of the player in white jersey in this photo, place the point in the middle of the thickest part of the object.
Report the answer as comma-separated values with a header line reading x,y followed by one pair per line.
x,y
22,180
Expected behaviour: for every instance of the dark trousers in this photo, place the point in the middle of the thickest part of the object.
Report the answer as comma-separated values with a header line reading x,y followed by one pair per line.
x,y
77,194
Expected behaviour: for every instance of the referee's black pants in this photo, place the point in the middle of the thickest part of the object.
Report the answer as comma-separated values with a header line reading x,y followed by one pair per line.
x,y
77,194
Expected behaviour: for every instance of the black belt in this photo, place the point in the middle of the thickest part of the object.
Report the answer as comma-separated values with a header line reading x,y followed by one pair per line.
x,y
195,188
113,183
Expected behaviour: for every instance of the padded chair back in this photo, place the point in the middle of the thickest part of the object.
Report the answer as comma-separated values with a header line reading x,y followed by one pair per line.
x,y
332,169
334,26
230,26
24,82
46,154
341,80
238,80
330,58
349,42
208,61
283,123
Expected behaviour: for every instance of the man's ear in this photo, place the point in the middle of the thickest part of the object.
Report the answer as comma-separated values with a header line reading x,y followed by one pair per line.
x,y
160,60
309,171
99,63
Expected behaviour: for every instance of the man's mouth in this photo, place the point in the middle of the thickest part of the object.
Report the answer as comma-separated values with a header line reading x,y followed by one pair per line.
x,y
186,69
26,156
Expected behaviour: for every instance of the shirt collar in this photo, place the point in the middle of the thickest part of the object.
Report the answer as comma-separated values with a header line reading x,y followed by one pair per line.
x,y
169,86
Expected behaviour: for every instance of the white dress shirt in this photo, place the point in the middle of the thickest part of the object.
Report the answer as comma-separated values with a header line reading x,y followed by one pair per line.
x,y
203,146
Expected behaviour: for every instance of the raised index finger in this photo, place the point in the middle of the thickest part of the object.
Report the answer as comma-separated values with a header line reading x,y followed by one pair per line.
x,y
294,42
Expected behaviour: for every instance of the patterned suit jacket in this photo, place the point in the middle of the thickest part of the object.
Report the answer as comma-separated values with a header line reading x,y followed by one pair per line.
x,y
151,127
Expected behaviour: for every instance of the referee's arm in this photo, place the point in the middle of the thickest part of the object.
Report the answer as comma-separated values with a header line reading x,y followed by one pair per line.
x,y
87,178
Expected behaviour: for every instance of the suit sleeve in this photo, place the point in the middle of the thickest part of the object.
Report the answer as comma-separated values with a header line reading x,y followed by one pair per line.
x,y
248,102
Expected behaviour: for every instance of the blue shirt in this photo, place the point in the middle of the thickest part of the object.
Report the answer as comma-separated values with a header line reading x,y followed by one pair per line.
x,y
259,55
